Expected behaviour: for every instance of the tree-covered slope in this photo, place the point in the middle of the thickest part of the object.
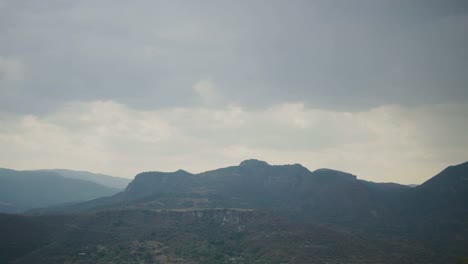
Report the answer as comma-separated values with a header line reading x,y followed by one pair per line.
x,y
191,236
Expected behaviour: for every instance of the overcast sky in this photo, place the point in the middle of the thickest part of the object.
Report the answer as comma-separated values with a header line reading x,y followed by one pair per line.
x,y
375,88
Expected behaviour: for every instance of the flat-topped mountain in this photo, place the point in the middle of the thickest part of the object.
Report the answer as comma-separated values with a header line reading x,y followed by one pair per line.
x,y
323,194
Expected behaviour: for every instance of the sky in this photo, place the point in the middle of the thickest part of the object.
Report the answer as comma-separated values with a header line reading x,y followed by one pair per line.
x,y
375,88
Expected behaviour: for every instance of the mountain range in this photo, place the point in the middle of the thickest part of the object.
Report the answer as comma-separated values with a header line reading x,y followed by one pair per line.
x,y
252,213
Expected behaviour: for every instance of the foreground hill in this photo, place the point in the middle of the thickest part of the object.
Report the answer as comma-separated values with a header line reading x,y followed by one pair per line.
x,y
190,236
23,190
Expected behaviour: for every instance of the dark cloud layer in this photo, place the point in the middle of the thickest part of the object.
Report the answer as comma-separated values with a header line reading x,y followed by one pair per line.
x,y
341,55
376,88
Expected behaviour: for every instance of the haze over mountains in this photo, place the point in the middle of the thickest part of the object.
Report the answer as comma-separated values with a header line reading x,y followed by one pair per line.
x,y
106,180
24,190
252,213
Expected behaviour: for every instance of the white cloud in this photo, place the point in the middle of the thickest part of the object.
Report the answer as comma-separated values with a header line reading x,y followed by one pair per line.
x,y
11,69
389,143
207,92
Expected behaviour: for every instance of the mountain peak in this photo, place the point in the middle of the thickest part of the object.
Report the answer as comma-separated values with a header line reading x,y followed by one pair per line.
x,y
456,175
334,174
461,166
253,163
182,172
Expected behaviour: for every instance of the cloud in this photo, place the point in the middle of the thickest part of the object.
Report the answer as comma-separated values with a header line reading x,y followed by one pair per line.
x,y
207,92
375,88
388,143
329,55
11,69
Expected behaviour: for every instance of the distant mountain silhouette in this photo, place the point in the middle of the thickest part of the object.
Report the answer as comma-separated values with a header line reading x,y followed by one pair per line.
x,y
23,190
102,179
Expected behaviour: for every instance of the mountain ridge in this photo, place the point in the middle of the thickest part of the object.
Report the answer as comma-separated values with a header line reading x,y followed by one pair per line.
x,y
255,183
99,178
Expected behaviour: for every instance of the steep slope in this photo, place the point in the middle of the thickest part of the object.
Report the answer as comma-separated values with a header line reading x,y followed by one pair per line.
x,y
23,190
102,179
437,211
446,193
